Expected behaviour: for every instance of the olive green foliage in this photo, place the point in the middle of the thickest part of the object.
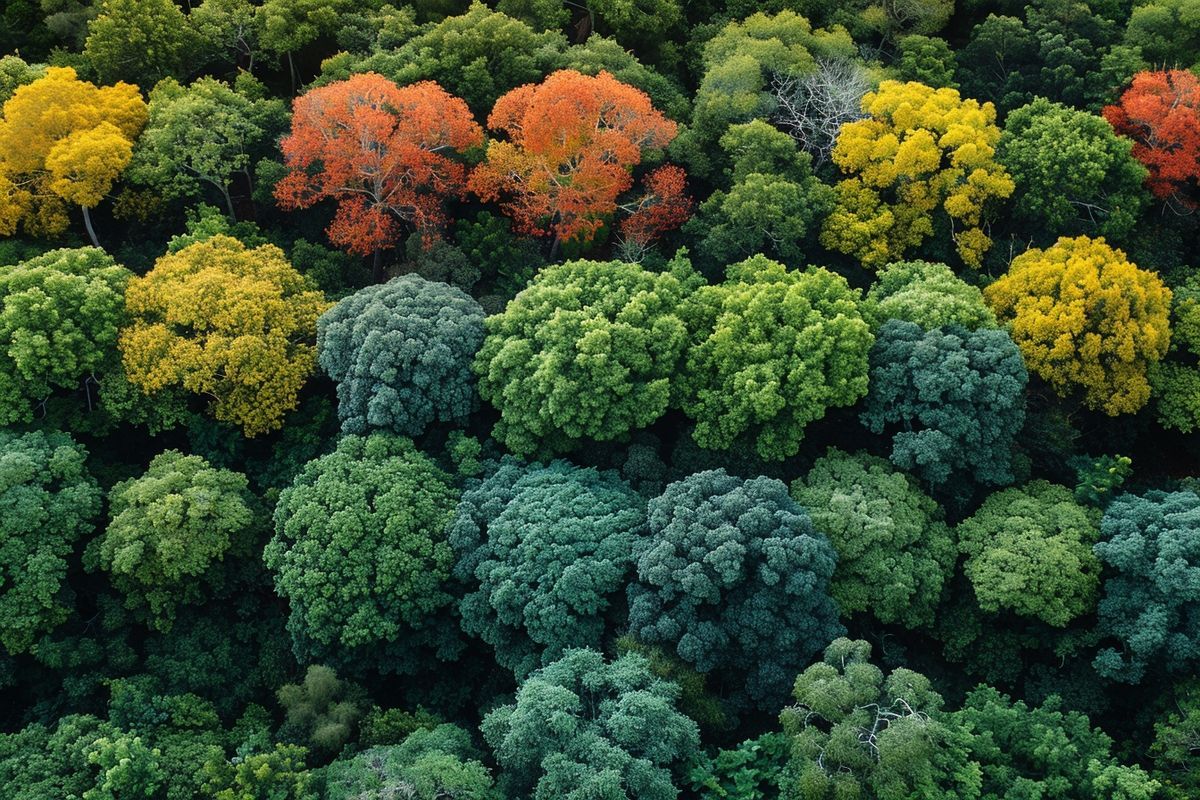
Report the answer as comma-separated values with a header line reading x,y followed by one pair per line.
x,y
771,350
857,733
615,732
1152,597
773,201
401,353
1074,175
359,550
542,550
139,41
15,72
895,551
735,580
1029,550
322,712
170,530
952,400
929,295
1167,32
1175,381
1044,751
276,775
430,764
587,350
59,317
47,502
927,59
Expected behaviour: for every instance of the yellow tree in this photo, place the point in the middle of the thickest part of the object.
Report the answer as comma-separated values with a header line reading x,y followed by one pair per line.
x,y
1087,319
237,325
63,141
920,151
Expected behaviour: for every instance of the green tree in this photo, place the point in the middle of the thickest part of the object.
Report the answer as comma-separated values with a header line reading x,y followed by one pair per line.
x,y
926,59
1175,381
543,550
170,532
734,580
929,295
951,400
47,502
857,733
430,764
1176,731
1074,175
322,712
139,41
401,354
205,134
772,349
1029,550
360,554
285,26
128,768
15,72
895,551
587,351
614,732
59,317
40,761
1167,32
1152,596
773,201
279,774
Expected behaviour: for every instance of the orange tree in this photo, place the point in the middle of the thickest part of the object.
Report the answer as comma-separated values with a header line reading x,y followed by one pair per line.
x,y
383,152
572,143
1086,318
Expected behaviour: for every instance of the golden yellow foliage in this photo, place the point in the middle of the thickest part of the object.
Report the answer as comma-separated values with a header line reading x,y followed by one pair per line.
x,y
63,140
235,324
919,149
1086,318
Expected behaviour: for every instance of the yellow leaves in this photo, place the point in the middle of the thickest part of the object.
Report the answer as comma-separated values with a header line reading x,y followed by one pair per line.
x,y
63,140
220,320
921,148
1086,318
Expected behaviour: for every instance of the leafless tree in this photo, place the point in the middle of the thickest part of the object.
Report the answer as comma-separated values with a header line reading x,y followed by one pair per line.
x,y
814,107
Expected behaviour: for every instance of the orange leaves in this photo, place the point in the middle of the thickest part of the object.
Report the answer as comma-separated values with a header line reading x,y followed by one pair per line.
x,y
383,152
1160,111
572,143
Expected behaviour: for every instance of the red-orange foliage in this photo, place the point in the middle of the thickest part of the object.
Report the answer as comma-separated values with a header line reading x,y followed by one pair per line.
x,y
573,141
382,151
1160,111
664,206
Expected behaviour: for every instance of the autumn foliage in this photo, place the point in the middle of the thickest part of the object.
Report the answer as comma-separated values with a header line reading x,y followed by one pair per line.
x,y
573,141
383,152
1160,111
63,141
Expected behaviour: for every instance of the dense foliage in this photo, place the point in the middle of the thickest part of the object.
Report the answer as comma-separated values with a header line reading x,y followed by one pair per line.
x,y
599,400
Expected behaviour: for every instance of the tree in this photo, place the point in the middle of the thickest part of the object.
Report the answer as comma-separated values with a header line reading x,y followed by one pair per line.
x,y
204,134
929,295
1160,111
39,761
1152,597
359,552
1072,172
139,40
587,350
322,712
1176,759
383,152
856,733
771,205
772,350
734,581
542,552
401,353
739,64
814,106
895,551
1166,31
919,150
926,59
429,764
1044,751
1087,319
15,72
285,26
616,731
48,503
128,768
232,323
59,317
572,143
170,531
952,400
1029,550
1175,381
276,775
63,140
227,31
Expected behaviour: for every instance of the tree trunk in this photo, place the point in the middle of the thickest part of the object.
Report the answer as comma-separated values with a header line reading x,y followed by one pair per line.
x,y
229,204
87,223
554,249
377,267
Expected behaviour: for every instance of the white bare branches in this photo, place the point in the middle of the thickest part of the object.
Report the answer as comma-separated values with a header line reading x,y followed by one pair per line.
x,y
814,107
